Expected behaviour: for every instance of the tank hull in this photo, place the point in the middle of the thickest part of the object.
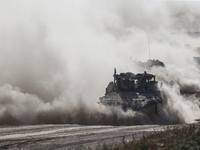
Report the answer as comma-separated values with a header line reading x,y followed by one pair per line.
x,y
144,102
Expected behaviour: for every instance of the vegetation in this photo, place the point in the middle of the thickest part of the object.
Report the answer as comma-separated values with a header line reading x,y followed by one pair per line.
x,y
175,137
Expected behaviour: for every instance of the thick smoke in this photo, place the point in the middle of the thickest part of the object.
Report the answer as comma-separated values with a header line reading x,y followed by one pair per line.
x,y
58,57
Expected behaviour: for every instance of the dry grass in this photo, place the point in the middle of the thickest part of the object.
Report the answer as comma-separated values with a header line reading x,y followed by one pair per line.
x,y
176,137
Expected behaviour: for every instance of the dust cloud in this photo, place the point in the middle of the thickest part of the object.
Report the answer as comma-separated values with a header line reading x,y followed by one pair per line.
x,y
58,57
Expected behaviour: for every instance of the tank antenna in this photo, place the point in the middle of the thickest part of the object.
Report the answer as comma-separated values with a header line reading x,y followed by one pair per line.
x,y
127,68
114,79
149,47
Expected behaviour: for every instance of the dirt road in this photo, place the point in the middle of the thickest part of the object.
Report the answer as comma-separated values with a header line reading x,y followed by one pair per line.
x,y
66,136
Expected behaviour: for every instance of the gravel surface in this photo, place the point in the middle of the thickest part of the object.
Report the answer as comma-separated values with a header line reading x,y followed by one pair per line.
x,y
67,136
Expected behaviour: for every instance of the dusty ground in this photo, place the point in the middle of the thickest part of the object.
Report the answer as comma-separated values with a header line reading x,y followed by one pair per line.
x,y
66,136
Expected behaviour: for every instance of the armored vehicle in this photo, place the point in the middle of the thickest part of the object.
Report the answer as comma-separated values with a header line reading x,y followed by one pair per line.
x,y
150,63
138,92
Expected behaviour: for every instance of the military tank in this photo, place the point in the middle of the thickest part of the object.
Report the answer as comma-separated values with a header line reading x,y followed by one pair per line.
x,y
150,63
138,92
